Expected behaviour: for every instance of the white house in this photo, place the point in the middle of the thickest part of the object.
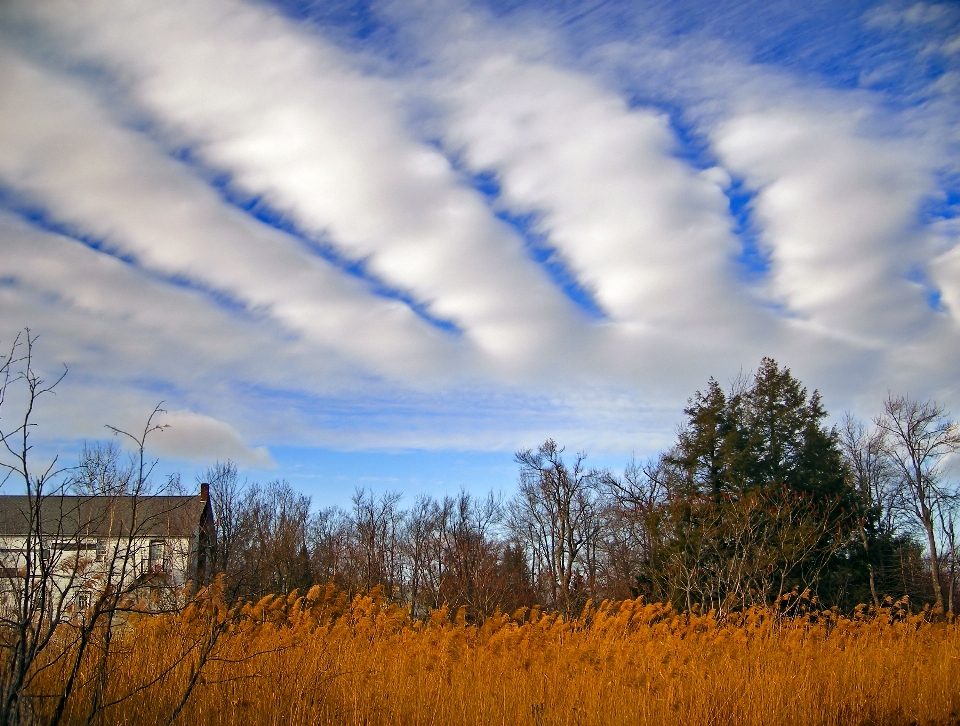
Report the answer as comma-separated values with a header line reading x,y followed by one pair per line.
x,y
73,546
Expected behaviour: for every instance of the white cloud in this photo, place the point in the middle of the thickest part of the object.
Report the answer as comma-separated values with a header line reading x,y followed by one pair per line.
x,y
945,268
839,189
310,355
193,436
838,213
115,186
651,236
291,121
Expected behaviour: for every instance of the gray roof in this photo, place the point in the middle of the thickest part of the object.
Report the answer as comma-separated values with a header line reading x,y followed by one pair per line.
x,y
105,516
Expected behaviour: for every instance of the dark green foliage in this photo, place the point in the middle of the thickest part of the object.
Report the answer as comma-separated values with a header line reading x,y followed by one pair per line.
x,y
764,437
899,566
759,503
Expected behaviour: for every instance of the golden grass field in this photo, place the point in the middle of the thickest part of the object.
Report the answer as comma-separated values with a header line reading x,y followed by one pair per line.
x,y
322,659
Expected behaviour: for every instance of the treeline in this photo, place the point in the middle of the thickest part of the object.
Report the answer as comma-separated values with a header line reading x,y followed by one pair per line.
x,y
758,503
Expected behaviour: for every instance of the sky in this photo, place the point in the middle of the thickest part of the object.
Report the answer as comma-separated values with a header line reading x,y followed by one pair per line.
x,y
389,243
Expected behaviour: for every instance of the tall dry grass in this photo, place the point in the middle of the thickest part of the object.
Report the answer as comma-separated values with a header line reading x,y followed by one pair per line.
x,y
321,659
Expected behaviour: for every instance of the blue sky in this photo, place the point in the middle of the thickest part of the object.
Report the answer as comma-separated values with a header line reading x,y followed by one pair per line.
x,y
387,244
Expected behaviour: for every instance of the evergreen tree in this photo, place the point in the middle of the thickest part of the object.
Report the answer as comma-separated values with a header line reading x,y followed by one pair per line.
x,y
763,503
766,437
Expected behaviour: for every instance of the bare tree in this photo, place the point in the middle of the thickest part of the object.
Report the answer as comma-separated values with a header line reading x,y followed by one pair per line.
x,y
875,479
633,504
273,543
948,511
433,520
331,539
101,471
918,436
557,515
377,523
226,497
472,576
73,565
420,528
28,601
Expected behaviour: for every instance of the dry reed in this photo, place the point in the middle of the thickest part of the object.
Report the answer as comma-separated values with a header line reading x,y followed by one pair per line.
x,y
321,659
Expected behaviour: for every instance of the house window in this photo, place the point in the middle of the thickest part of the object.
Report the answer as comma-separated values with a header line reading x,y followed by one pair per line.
x,y
101,550
83,600
156,555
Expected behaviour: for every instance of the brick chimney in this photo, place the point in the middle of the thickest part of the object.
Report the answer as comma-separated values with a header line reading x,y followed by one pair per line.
x,y
204,491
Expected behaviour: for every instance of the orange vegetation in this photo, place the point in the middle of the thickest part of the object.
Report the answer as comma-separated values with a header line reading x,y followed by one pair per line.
x,y
323,659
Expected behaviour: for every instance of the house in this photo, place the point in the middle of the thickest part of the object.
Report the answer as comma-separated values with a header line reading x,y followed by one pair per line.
x,y
75,545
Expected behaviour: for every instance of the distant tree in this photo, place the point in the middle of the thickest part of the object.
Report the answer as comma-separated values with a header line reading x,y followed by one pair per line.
x,y
518,587
708,445
377,524
874,477
331,537
753,500
765,434
225,497
272,542
420,525
790,446
557,515
918,436
948,512
100,471
472,575
633,507
455,554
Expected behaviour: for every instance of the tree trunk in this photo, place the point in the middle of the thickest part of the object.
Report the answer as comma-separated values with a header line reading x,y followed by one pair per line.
x,y
934,560
953,580
873,583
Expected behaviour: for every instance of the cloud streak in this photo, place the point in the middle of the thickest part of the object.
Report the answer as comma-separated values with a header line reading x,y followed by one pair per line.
x,y
483,230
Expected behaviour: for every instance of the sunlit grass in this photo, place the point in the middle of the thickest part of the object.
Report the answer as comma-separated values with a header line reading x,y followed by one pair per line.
x,y
324,659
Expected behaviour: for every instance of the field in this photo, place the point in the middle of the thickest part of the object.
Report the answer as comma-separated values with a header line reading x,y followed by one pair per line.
x,y
324,659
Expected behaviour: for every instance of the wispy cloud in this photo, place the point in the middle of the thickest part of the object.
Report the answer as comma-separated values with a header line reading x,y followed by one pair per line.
x,y
469,227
